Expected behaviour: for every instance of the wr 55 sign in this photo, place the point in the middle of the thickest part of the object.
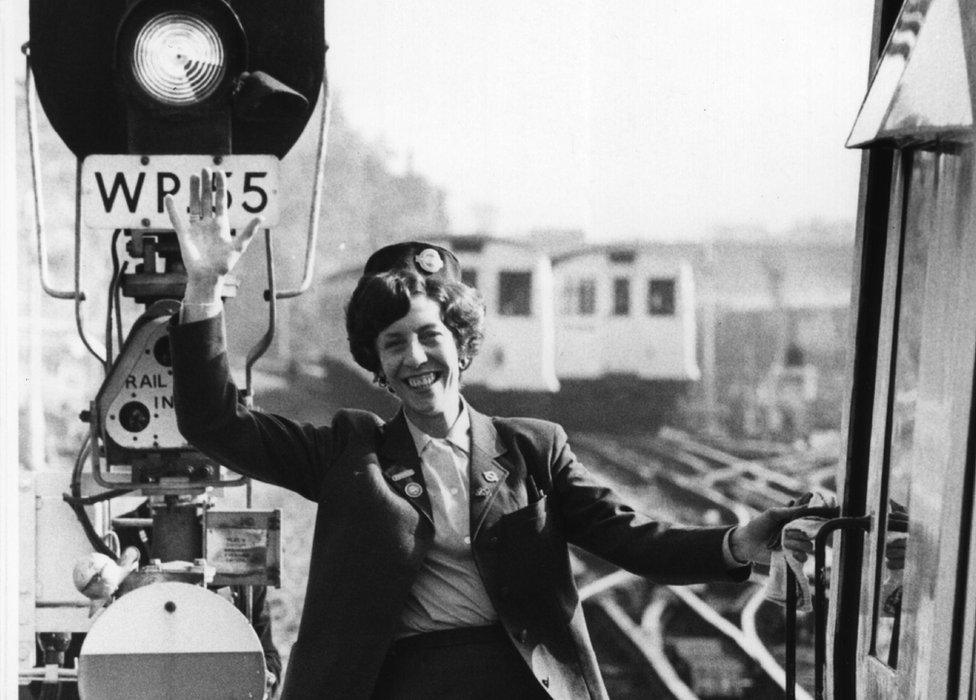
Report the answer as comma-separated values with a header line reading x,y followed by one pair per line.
x,y
127,191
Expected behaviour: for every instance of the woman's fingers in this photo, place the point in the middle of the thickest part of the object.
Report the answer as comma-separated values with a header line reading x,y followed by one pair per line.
x,y
206,193
195,210
241,242
220,185
175,218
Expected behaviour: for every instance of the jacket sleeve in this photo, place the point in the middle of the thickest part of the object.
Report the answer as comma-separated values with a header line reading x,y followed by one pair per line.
x,y
599,521
260,445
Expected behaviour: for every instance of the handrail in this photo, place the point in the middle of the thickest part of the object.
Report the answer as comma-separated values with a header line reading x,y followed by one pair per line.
x,y
792,586
76,294
35,158
820,608
790,663
316,209
263,343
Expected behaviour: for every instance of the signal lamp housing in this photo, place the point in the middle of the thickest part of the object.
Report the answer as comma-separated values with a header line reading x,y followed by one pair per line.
x,y
180,58
178,76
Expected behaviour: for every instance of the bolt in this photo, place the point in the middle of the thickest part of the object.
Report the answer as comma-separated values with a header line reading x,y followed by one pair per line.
x,y
218,160
170,606
145,223
144,160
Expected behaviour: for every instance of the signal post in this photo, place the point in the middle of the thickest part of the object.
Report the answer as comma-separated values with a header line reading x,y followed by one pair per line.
x,y
146,93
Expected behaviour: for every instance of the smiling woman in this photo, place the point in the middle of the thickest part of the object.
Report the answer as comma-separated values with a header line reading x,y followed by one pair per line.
x,y
440,563
427,332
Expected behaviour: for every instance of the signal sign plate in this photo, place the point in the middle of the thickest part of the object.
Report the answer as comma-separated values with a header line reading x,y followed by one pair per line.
x,y
127,191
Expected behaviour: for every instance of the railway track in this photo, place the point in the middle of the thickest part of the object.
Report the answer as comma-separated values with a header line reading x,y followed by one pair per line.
x,y
675,476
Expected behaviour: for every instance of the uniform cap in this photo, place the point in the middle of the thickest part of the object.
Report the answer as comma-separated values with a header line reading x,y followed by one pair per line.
x,y
423,258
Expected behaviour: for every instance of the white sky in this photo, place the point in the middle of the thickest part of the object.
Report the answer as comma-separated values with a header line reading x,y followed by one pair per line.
x,y
632,118
628,119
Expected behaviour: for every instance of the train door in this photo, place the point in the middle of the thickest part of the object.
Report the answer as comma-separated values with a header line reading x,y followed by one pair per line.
x,y
920,469
916,614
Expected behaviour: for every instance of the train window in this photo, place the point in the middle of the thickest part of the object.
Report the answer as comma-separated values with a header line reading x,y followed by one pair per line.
x,y
468,245
622,256
660,297
515,293
469,277
902,409
579,297
586,298
621,296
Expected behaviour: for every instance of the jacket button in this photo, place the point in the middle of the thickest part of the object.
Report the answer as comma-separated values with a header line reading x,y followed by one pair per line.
x,y
493,541
523,636
505,591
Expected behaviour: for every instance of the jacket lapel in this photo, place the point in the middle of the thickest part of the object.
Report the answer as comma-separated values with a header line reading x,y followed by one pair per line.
x,y
401,465
491,492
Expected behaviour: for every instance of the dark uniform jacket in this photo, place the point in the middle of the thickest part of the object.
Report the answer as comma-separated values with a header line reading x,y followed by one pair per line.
x,y
371,537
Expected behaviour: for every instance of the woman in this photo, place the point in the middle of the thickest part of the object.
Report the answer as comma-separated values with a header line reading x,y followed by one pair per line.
x,y
439,565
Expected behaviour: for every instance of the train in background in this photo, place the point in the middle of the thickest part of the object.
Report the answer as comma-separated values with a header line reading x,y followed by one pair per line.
x,y
601,337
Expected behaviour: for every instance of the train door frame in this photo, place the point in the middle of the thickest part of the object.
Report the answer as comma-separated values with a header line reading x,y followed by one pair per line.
x,y
935,576
951,668
867,273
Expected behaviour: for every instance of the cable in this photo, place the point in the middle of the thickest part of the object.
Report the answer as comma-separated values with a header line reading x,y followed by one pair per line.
x,y
76,501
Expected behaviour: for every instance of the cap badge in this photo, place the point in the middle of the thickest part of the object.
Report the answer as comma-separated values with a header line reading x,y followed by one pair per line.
x,y
413,489
429,260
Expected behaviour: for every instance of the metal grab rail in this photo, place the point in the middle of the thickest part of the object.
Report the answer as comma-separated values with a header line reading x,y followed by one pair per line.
x,y
819,601
863,523
792,586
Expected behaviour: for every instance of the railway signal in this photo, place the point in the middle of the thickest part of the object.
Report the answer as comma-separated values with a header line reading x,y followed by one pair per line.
x,y
178,76
146,93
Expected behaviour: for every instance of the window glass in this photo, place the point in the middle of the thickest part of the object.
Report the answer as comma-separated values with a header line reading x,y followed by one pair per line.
x,y
578,297
622,256
902,398
515,293
621,296
660,297
586,298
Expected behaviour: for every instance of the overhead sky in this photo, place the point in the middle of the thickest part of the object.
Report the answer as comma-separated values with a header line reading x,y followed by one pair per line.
x,y
628,119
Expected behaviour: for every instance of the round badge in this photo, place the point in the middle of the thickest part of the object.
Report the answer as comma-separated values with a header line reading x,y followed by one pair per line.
x,y
429,260
413,489
491,476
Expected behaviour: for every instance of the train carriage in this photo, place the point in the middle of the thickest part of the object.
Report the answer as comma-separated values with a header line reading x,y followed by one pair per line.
x,y
625,310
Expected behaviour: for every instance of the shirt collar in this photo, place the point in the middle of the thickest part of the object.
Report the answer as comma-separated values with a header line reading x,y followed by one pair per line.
x,y
458,435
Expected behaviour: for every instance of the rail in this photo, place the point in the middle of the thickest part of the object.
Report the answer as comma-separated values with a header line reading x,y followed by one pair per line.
x,y
685,464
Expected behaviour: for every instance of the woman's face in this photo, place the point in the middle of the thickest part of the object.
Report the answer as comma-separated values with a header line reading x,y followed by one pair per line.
x,y
419,356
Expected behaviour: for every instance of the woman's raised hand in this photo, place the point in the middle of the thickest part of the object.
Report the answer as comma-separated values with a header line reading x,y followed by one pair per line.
x,y
209,250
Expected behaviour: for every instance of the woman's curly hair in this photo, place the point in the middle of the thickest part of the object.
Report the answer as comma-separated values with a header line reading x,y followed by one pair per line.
x,y
384,298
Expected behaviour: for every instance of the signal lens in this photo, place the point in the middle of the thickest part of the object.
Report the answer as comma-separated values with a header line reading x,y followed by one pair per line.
x,y
178,59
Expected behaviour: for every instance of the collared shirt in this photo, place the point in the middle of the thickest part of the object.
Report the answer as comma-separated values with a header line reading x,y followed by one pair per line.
x,y
448,591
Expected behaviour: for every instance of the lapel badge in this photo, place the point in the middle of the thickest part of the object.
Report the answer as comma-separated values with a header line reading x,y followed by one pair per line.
x,y
482,492
402,474
413,489
490,476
